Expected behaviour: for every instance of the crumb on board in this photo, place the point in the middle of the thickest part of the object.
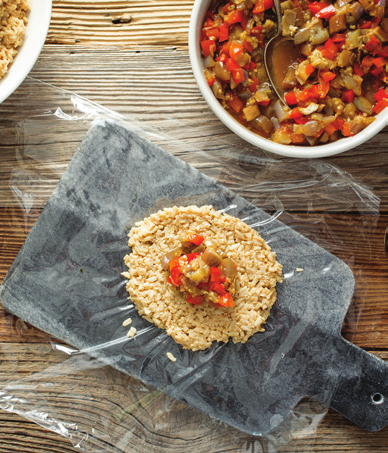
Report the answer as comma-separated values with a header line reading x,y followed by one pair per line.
x,y
171,356
127,322
132,332
299,269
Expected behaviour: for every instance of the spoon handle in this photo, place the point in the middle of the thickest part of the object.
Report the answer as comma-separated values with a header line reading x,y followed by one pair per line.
x,y
278,10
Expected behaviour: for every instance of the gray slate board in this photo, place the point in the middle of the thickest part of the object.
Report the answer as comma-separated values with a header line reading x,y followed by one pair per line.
x,y
67,281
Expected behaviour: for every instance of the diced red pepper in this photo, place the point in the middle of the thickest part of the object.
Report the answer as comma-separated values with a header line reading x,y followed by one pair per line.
x,y
264,103
330,129
234,102
315,7
244,21
346,130
196,239
262,5
309,69
348,96
338,37
209,22
326,13
367,61
383,52
233,17
238,75
226,300
225,8
191,256
254,85
330,50
380,106
218,288
215,274
302,120
223,58
338,123
231,65
213,33
175,276
224,32
372,44
381,94
197,300
358,70
379,62
326,75
210,80
365,24
295,113
208,47
306,94
376,71
256,31
235,50
248,46
291,98
375,21
252,66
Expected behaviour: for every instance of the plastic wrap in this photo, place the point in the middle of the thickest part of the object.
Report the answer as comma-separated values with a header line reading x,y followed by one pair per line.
x,y
98,407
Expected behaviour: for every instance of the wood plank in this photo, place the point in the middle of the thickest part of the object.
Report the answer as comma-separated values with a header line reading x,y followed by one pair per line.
x,y
120,22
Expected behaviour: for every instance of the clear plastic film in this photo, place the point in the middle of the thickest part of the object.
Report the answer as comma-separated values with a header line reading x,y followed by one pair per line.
x,y
82,393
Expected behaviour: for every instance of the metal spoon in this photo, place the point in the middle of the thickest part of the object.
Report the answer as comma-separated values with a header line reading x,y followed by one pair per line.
x,y
274,44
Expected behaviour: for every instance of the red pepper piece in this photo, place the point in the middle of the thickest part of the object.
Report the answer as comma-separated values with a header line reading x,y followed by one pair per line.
x,y
302,120
330,129
191,256
218,288
367,61
225,8
196,239
254,85
252,66
372,44
380,106
231,65
210,80
213,33
379,62
247,45
383,52
346,130
197,300
234,102
256,31
377,71
347,96
330,50
226,300
208,47
326,75
381,94
235,50
291,98
233,17
315,7
295,113
326,13
224,32
175,276
338,123
358,70
338,37
365,24
215,274
262,5
238,75
264,103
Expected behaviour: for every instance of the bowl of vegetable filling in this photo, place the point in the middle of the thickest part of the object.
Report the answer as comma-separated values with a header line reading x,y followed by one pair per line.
x,y
332,80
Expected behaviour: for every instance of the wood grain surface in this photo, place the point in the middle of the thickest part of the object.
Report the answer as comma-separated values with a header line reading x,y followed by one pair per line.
x,y
132,57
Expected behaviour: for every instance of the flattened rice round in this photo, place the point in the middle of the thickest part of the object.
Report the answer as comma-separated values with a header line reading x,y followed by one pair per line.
x,y
195,327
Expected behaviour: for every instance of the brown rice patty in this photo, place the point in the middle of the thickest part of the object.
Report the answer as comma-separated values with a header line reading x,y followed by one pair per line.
x,y
196,327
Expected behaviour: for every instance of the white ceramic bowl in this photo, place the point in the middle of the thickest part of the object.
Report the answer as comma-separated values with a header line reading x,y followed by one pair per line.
x,y
38,23
340,146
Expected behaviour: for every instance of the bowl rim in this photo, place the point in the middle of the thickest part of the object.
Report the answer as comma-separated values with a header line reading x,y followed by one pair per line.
x,y
197,16
39,18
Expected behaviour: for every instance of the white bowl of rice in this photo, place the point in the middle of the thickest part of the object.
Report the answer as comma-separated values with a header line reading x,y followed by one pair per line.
x,y
23,30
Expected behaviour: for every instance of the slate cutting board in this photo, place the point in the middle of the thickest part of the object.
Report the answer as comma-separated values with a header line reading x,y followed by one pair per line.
x,y
67,281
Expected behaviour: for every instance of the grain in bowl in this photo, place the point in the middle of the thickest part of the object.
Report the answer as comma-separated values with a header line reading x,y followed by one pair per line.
x,y
13,24
192,325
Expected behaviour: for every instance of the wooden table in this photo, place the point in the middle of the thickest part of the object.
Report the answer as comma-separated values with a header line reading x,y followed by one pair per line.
x,y
131,56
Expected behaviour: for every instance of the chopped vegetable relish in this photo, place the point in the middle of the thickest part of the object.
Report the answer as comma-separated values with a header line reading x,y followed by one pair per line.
x,y
334,87
201,271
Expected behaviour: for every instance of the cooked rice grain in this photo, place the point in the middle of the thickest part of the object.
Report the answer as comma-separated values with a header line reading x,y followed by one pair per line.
x,y
196,327
13,24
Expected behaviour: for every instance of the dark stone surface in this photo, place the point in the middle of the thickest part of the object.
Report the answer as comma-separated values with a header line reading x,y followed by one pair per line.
x,y
67,281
